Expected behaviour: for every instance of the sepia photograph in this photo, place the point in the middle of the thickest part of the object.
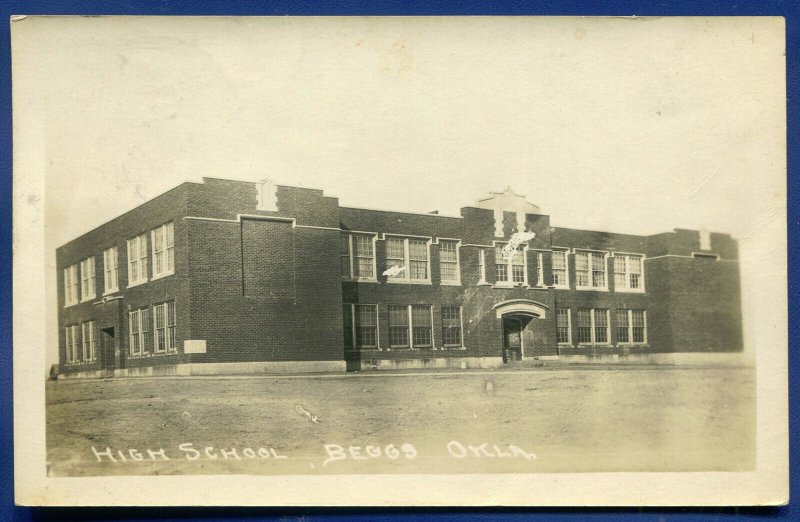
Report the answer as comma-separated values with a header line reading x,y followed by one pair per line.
x,y
400,261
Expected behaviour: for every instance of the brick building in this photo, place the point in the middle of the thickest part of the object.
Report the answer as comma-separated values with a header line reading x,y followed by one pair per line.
x,y
240,277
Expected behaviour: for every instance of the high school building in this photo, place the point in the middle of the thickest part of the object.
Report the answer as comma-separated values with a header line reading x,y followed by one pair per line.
x,y
239,277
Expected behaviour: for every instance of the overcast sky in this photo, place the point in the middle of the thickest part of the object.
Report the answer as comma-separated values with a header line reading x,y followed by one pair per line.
x,y
635,126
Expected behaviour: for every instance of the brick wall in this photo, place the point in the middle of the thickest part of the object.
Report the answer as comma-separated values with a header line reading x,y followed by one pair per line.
x,y
270,289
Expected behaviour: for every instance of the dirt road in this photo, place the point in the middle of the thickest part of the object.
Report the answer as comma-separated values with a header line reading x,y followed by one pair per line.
x,y
565,419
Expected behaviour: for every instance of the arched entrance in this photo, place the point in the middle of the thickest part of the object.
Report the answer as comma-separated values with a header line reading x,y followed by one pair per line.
x,y
516,314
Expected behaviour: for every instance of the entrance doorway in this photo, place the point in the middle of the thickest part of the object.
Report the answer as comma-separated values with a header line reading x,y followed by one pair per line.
x,y
512,339
107,359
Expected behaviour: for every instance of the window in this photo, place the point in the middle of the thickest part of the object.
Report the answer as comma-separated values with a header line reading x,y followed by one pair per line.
x,y
510,271
87,279
584,325
600,326
539,269
110,271
138,328
559,258
628,273
631,326
412,323
421,326
137,260
451,326
163,250
563,328
363,320
638,326
398,327
448,262
623,333
87,333
72,344
164,327
592,326
482,266
408,260
71,285
357,253
590,270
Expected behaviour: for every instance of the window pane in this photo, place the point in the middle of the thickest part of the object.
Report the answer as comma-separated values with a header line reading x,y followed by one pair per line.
x,y
559,258
451,315
601,325
584,325
419,270
421,325
398,316
421,315
362,246
394,249
498,254
447,251
502,273
562,325
449,271
418,250
367,315
398,326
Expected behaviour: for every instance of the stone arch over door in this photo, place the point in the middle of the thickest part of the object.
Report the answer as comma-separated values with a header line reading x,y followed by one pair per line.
x,y
516,316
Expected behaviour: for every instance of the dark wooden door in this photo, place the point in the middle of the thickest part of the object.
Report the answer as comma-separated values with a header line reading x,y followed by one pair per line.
x,y
512,340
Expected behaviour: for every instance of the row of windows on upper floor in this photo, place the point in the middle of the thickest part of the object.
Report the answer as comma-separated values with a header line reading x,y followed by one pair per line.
x,y
80,279
408,261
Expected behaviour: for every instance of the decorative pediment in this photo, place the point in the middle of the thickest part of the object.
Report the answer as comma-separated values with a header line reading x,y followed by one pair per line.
x,y
507,201
520,307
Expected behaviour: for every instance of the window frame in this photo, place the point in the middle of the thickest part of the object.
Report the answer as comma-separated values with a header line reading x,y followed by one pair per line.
x,y
405,276
565,252
590,271
539,269
88,278
71,285
630,327
351,256
89,355
482,266
509,267
72,344
457,245
141,260
169,329
143,320
354,325
460,309
410,328
112,269
167,249
593,323
627,273
568,342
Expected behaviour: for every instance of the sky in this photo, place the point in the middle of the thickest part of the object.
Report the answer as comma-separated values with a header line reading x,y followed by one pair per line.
x,y
628,125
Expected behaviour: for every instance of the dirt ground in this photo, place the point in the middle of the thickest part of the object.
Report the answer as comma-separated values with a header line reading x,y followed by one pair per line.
x,y
566,419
